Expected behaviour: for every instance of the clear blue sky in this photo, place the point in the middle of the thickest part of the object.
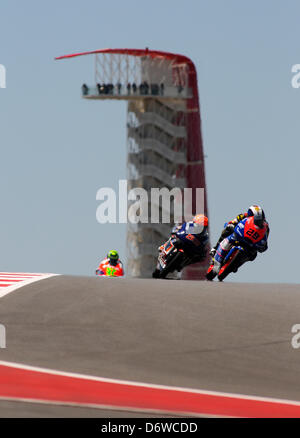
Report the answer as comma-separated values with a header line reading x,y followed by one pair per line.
x,y
57,150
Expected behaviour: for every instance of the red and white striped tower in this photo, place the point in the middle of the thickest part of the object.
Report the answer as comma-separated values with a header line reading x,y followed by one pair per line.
x,y
164,135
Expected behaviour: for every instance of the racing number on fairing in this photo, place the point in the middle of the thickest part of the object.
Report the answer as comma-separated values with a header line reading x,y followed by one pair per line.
x,y
168,246
110,271
193,239
190,237
252,233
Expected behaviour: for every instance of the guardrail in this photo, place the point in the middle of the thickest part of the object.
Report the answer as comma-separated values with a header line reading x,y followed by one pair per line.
x,y
120,91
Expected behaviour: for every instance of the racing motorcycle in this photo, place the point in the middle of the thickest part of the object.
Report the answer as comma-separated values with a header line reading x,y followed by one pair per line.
x,y
173,257
110,271
248,238
236,257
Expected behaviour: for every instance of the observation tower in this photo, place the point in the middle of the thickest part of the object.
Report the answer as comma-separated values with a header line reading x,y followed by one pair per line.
x,y
164,140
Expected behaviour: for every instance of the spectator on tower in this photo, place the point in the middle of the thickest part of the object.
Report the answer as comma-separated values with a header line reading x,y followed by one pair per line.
x,y
154,89
110,88
85,89
146,87
141,88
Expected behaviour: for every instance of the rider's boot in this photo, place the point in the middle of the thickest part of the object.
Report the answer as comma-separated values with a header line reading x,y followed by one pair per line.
x,y
213,250
225,233
221,253
215,265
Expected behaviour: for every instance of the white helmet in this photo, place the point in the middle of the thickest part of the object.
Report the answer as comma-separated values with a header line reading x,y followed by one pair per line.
x,y
259,216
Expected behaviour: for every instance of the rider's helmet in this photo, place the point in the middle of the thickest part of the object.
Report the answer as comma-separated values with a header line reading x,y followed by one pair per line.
x,y
259,215
113,257
200,219
200,224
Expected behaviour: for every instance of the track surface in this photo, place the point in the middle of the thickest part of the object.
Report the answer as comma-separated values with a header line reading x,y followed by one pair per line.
x,y
217,336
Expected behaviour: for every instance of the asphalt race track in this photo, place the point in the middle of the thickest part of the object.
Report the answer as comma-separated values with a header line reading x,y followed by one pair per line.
x,y
226,337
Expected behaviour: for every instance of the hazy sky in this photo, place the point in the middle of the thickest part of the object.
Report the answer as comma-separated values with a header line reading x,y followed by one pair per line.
x,y
57,150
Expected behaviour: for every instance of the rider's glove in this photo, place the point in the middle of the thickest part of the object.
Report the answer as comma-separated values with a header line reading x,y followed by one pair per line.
x,y
262,248
240,217
252,255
